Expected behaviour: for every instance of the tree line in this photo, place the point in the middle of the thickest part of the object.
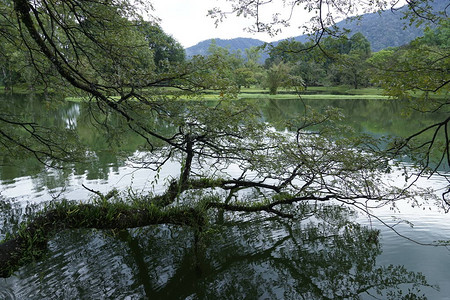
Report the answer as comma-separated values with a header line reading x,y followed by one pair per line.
x,y
338,61
291,64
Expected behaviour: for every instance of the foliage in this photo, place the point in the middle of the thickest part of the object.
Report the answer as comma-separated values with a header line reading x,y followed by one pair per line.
x,y
240,70
166,50
277,76
352,65
335,61
230,161
419,72
420,66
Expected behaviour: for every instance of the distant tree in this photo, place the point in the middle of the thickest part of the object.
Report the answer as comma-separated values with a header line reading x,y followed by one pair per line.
x,y
420,66
252,57
360,45
338,60
346,59
353,70
352,64
312,72
166,50
277,76
16,64
438,36
282,75
307,62
245,76
240,70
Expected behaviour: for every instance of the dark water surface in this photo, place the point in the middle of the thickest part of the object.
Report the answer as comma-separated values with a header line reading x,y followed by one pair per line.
x,y
266,258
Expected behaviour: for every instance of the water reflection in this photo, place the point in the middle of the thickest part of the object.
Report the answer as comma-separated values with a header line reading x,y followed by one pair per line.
x,y
266,258
111,150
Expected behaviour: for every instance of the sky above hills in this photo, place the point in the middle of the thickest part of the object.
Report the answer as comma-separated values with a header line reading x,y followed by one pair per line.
x,y
188,23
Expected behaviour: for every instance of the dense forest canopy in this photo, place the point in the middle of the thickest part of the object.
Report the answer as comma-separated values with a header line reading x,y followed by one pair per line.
x,y
134,75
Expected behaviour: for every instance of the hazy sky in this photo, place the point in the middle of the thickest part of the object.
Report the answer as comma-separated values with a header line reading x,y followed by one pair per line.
x,y
187,22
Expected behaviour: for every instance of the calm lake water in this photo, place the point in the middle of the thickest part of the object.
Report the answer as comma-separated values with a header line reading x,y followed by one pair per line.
x,y
239,258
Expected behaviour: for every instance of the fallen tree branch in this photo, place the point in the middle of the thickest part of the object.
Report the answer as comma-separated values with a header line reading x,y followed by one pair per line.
x,y
31,241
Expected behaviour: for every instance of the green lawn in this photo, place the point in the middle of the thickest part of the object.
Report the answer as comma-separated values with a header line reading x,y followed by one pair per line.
x,y
319,92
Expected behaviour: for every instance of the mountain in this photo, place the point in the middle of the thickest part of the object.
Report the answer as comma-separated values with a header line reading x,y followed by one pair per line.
x,y
232,44
385,29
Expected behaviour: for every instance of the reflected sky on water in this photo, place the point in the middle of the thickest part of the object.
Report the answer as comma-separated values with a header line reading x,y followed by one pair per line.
x,y
262,259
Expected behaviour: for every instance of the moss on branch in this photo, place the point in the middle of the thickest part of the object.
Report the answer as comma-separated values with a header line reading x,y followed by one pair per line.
x,y
31,240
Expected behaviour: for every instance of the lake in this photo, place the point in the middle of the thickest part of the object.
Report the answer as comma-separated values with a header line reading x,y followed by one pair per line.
x,y
239,257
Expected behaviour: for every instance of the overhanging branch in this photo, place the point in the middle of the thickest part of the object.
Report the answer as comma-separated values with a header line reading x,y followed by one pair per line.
x,y
31,242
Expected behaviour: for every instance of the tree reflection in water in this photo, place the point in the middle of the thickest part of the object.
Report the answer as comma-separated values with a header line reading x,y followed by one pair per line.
x,y
235,258
328,258
322,257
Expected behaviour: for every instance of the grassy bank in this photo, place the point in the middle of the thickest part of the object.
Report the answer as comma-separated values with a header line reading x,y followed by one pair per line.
x,y
319,92
22,89
342,89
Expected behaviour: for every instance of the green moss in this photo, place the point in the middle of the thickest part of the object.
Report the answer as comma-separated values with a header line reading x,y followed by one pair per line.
x,y
30,241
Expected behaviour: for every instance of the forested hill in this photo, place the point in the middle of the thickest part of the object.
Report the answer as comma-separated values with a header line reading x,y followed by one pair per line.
x,y
382,30
387,29
233,44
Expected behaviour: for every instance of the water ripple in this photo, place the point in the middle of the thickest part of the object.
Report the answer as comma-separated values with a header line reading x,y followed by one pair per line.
x,y
79,266
7,294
